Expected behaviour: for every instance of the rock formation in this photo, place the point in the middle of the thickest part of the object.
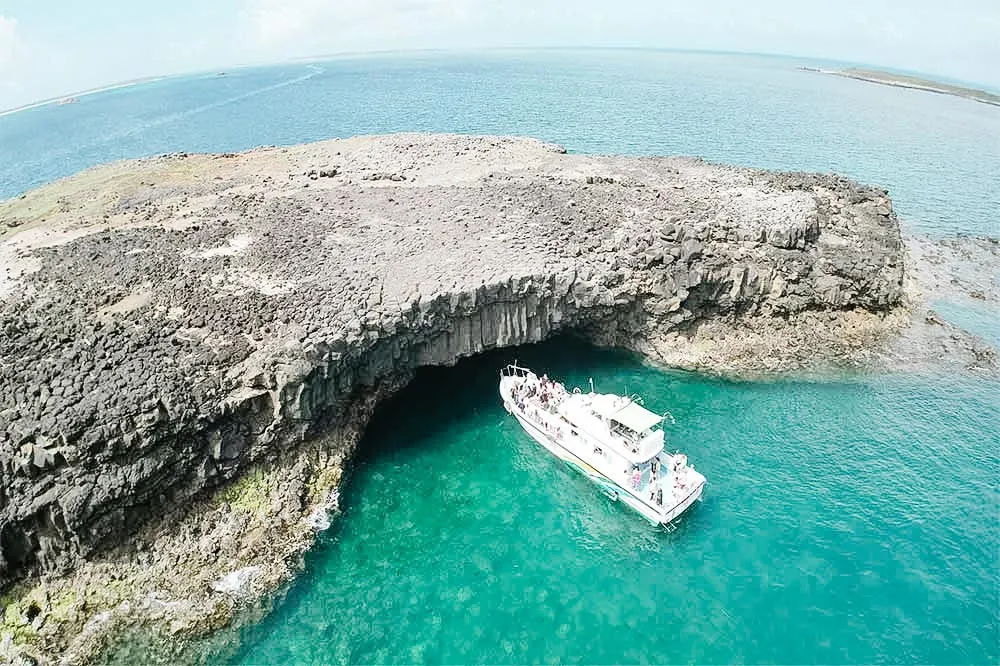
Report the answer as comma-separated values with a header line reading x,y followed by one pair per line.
x,y
169,323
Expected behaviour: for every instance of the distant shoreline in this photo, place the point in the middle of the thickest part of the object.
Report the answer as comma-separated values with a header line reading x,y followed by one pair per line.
x,y
73,97
860,74
912,82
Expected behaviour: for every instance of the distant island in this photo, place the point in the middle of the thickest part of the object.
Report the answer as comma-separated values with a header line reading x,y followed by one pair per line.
x,y
916,83
75,97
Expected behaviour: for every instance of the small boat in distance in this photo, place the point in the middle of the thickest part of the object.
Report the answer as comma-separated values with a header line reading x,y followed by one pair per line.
x,y
615,441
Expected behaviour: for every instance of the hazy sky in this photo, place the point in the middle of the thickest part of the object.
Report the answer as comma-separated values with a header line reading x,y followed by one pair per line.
x,y
53,47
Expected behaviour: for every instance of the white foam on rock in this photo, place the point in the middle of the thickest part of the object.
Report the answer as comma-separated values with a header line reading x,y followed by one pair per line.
x,y
235,582
319,519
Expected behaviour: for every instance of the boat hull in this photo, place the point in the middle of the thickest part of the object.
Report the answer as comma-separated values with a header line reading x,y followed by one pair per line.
x,y
611,488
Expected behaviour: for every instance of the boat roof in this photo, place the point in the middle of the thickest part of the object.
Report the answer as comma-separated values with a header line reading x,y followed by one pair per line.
x,y
625,411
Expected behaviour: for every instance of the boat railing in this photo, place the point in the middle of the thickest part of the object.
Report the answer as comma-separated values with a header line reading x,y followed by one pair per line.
x,y
514,370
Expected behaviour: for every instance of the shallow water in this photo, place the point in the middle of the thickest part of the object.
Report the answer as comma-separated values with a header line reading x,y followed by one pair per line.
x,y
978,317
845,521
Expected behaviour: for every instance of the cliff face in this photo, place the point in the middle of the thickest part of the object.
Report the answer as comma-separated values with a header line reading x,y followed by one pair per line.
x,y
167,323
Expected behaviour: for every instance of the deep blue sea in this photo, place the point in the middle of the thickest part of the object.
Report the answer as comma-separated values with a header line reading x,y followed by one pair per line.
x,y
939,156
853,520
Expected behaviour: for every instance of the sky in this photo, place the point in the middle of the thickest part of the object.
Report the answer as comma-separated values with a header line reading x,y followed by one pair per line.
x,y
50,48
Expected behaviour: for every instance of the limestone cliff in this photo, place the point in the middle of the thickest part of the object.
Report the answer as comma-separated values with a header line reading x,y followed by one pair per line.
x,y
167,323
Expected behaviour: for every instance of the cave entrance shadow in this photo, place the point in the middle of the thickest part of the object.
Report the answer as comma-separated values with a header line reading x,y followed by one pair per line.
x,y
441,397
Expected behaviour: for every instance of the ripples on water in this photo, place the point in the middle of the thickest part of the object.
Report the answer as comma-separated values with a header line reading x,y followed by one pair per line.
x,y
844,521
937,154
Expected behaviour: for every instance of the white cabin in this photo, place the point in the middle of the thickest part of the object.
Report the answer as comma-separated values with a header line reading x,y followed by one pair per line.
x,y
631,428
613,439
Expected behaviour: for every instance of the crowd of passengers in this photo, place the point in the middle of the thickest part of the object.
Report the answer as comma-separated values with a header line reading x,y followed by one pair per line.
x,y
547,391
655,490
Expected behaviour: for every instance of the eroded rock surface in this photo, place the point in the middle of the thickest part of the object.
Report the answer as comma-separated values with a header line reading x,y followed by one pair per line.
x,y
168,323
953,271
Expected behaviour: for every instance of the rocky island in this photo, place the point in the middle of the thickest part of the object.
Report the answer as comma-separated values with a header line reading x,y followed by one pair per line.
x,y
192,345
911,82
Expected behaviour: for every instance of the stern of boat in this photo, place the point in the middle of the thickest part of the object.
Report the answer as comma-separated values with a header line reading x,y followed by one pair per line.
x,y
686,487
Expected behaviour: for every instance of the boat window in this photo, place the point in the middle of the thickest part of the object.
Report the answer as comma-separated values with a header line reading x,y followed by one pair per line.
x,y
619,429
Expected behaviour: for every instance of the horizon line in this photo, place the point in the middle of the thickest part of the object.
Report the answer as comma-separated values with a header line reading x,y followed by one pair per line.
x,y
126,83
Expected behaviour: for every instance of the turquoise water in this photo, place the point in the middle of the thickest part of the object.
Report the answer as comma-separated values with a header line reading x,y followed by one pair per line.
x,y
848,521
844,522
974,316
938,155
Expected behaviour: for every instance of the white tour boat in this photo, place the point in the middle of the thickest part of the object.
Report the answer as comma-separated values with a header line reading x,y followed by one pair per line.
x,y
613,440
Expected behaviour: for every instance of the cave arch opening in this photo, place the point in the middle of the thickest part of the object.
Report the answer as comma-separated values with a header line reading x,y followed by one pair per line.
x,y
439,397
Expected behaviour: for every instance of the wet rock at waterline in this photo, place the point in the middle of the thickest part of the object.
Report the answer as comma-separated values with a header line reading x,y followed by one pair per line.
x,y
173,324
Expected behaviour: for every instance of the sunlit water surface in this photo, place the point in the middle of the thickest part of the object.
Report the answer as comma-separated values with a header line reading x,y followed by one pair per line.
x,y
844,521
852,520
938,155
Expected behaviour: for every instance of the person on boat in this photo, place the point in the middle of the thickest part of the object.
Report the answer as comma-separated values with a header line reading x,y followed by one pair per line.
x,y
636,477
659,495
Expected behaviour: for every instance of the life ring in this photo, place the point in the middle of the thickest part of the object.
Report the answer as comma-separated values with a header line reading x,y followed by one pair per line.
x,y
577,391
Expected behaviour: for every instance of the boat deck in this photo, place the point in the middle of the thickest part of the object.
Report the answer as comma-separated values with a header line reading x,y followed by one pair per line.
x,y
569,425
